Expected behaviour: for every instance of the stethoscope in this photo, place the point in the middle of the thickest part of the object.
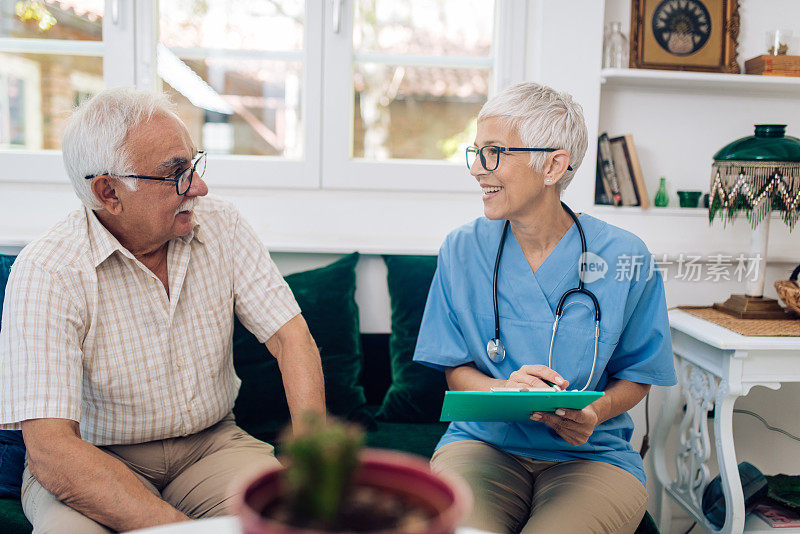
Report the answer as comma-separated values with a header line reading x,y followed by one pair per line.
x,y
495,349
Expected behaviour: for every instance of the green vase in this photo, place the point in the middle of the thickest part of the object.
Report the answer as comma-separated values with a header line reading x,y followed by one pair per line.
x,y
662,198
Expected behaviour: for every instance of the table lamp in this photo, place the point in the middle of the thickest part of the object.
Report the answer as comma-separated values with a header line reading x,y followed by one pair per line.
x,y
756,175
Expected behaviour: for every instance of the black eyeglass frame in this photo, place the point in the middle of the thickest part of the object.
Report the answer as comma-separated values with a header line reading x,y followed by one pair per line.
x,y
479,153
174,177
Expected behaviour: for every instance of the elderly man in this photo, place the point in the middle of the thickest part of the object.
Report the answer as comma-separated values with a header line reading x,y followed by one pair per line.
x,y
116,344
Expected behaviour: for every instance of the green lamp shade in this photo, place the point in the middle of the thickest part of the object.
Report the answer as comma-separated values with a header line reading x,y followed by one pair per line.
x,y
768,144
757,175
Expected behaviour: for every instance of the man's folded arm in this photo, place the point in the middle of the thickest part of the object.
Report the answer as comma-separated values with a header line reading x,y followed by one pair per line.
x,y
92,482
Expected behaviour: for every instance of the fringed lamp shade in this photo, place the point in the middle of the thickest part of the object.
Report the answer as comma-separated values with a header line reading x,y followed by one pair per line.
x,y
757,175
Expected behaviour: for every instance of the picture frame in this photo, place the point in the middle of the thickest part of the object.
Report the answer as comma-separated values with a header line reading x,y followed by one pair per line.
x,y
705,40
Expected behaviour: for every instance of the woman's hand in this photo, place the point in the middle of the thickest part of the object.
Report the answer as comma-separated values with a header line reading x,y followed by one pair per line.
x,y
575,426
534,376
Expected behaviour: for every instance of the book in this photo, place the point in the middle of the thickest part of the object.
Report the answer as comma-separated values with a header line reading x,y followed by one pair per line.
x,y
769,65
630,171
602,191
607,167
776,515
622,167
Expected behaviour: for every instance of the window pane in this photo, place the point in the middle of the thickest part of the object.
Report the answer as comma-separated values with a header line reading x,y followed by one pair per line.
x,y
79,20
37,94
422,71
416,112
234,68
427,27
255,111
233,24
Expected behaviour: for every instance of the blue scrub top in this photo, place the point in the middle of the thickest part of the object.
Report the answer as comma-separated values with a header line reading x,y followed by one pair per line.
x,y
634,345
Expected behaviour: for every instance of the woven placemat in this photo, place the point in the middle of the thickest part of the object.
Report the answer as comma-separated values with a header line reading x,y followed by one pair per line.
x,y
747,327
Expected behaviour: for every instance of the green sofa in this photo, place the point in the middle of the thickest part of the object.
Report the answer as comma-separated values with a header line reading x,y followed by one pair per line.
x,y
370,378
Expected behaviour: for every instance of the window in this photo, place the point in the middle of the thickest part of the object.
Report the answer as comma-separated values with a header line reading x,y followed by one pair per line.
x,y
50,53
421,72
404,84
365,94
243,75
242,91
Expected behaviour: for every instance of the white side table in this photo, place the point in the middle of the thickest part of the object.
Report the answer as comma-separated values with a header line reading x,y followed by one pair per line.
x,y
715,366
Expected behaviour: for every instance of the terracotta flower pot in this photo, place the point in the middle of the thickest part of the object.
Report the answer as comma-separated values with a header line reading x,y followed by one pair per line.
x,y
397,473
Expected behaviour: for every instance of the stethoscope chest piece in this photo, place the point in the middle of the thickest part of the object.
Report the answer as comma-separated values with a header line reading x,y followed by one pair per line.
x,y
495,350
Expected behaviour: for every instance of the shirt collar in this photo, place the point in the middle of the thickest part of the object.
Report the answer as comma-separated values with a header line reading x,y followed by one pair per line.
x,y
102,243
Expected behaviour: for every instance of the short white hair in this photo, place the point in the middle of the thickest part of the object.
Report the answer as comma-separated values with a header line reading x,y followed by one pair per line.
x,y
544,118
94,139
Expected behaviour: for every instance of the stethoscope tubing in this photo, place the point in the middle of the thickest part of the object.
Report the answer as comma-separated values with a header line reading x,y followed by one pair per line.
x,y
495,349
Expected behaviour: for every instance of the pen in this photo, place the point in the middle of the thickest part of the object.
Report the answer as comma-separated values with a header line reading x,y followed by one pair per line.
x,y
551,384
553,388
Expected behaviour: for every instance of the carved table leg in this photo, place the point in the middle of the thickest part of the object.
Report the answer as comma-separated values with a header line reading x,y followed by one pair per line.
x,y
669,411
726,458
699,388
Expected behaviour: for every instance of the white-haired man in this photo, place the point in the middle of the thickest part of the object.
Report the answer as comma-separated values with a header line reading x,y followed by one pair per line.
x,y
116,345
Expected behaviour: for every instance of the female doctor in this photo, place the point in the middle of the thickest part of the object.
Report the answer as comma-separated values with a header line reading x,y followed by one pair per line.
x,y
572,470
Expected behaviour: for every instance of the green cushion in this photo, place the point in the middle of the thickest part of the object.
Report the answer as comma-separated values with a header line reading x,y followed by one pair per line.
x,y
326,297
647,525
5,270
416,393
12,519
415,438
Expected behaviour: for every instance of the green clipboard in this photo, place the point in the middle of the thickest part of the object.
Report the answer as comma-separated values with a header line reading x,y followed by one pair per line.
x,y
510,405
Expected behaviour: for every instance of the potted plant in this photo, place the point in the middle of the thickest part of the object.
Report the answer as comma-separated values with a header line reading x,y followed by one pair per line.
x,y
329,484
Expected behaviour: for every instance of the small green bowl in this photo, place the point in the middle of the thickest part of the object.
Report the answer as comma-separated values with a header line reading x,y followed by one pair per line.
x,y
689,199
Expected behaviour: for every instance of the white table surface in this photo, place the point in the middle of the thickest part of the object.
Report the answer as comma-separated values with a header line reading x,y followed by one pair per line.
x,y
215,525
230,525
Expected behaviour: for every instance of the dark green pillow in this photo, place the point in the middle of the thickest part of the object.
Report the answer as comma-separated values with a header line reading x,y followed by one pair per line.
x,y
416,393
5,270
327,300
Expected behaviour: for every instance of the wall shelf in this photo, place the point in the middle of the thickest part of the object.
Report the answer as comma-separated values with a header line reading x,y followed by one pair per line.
x,y
604,210
702,81
651,211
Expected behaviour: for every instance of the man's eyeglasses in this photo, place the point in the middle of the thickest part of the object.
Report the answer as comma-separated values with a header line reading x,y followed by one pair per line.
x,y
490,155
181,177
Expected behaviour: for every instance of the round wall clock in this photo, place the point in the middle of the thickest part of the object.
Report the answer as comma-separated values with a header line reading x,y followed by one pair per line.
x,y
681,27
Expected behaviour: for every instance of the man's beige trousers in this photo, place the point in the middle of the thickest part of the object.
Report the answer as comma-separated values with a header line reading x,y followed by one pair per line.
x,y
193,473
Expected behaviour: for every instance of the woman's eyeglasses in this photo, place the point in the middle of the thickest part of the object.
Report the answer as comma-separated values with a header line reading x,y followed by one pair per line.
x,y
490,155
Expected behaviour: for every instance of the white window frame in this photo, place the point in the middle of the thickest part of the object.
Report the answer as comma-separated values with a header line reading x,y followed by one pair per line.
x,y
130,31
270,172
46,166
340,169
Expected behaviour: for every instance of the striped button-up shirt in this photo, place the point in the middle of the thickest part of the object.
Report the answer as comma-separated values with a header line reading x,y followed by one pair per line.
x,y
89,333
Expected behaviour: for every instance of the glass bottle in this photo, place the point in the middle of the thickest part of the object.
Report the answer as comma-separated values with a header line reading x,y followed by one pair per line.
x,y
661,199
615,48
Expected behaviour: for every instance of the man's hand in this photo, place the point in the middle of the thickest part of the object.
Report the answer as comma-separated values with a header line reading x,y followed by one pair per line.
x,y
575,426
90,481
534,376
